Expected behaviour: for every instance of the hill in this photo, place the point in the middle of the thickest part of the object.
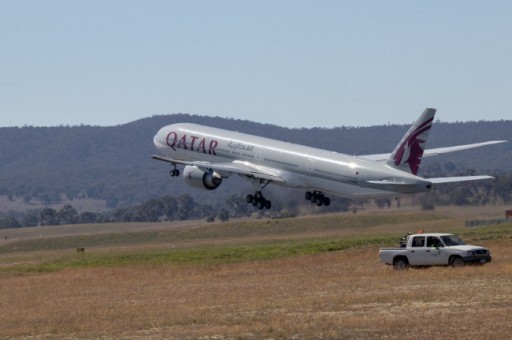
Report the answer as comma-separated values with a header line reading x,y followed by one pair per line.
x,y
114,164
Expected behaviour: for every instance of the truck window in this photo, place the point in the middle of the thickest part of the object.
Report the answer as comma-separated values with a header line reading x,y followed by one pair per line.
x,y
434,242
418,241
452,240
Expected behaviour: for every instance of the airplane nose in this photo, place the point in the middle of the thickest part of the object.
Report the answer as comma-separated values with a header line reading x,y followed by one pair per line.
x,y
158,140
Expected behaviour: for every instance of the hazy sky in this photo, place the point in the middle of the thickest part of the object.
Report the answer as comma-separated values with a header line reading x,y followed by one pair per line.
x,y
291,63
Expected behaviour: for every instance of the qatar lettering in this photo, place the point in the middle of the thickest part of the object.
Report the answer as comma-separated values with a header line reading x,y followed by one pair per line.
x,y
192,143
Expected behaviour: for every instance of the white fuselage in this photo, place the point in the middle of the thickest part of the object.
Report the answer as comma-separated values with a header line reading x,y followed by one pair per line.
x,y
299,166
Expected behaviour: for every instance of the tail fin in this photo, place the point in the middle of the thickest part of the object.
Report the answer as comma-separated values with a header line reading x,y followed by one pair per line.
x,y
407,154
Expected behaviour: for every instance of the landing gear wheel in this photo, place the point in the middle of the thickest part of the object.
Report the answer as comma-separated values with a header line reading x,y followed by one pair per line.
x,y
257,200
174,172
318,198
268,205
261,204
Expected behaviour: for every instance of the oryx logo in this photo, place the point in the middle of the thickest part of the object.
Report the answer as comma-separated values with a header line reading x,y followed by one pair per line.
x,y
411,148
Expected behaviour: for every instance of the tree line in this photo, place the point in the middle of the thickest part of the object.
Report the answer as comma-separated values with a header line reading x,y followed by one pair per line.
x,y
185,207
166,208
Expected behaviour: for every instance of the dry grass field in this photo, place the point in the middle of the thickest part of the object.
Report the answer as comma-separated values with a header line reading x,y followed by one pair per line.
x,y
344,294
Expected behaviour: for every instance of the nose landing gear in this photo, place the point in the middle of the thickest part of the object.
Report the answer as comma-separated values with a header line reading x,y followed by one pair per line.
x,y
174,171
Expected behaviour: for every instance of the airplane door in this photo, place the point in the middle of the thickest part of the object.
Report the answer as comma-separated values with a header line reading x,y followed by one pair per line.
x,y
361,179
310,167
258,156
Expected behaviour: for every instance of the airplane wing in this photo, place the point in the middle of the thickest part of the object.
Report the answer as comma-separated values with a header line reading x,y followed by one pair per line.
x,y
436,151
235,167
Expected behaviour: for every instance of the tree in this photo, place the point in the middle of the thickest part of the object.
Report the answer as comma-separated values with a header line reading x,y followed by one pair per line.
x,y
87,217
9,222
383,203
49,216
208,212
185,206
427,201
149,211
29,220
122,215
67,215
223,215
238,206
170,207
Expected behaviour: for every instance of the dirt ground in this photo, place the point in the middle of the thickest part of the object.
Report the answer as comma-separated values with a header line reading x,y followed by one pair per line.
x,y
343,294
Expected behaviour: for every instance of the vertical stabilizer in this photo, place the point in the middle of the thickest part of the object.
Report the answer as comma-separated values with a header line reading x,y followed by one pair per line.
x,y
407,154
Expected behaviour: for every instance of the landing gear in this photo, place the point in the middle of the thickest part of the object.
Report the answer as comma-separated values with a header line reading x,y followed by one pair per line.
x,y
174,171
318,198
257,200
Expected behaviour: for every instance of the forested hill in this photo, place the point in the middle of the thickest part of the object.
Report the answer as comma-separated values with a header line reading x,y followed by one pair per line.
x,y
114,163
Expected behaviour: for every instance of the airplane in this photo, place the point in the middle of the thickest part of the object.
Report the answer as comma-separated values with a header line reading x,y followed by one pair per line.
x,y
210,155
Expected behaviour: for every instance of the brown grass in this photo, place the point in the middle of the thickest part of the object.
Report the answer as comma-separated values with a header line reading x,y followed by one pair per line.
x,y
346,294
342,294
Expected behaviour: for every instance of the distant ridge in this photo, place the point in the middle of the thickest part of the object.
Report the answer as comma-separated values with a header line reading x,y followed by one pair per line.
x,y
114,163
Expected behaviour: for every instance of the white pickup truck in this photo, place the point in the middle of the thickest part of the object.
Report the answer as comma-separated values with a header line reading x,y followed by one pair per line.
x,y
433,249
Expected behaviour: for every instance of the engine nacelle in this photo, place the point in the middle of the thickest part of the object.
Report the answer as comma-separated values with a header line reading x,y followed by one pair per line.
x,y
197,178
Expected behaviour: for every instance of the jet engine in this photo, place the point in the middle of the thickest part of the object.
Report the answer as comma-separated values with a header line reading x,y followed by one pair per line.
x,y
200,179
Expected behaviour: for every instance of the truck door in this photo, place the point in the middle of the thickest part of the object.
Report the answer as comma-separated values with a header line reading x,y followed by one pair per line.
x,y
417,252
435,253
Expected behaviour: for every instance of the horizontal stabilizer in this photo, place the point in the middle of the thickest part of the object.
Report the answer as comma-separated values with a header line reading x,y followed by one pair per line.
x,y
440,180
436,151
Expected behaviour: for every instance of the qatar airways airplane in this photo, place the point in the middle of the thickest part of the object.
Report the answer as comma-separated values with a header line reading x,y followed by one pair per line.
x,y
211,155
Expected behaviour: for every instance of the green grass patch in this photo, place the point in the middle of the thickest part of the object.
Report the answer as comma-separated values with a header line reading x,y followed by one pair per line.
x,y
235,229
202,255
255,250
494,232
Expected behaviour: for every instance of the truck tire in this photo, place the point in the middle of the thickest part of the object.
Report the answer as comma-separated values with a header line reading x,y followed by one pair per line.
x,y
400,263
457,261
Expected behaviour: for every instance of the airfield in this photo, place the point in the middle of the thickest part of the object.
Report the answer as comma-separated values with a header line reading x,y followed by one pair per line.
x,y
309,277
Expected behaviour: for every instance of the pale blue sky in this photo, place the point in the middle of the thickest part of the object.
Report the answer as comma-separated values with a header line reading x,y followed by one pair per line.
x,y
290,63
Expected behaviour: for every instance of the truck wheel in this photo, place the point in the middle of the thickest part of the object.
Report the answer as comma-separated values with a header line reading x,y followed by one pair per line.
x,y
400,264
457,262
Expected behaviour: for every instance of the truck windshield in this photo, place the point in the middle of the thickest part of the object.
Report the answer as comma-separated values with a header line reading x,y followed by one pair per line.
x,y
452,240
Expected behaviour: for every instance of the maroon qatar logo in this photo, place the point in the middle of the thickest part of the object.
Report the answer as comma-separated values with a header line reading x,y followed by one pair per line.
x,y
192,143
411,149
